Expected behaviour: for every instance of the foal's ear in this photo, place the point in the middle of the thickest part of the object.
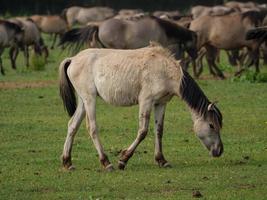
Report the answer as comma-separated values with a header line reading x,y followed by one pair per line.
x,y
211,106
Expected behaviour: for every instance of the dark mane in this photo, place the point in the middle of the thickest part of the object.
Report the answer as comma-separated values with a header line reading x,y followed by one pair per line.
x,y
13,26
255,17
172,30
195,98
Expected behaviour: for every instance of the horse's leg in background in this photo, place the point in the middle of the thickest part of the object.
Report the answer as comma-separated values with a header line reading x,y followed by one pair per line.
x,y
252,56
73,125
264,52
90,107
54,40
145,107
44,49
13,53
1,63
199,62
256,59
211,57
233,57
212,72
159,125
26,55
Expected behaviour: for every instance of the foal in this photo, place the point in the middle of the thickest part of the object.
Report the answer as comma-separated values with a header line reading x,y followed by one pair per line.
x,y
149,77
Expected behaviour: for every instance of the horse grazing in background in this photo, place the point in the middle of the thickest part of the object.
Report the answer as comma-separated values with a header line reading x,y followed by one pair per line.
x,y
10,36
198,11
226,32
51,24
81,15
148,76
32,37
133,34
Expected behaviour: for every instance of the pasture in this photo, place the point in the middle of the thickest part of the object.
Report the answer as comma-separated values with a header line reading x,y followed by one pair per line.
x,y
33,127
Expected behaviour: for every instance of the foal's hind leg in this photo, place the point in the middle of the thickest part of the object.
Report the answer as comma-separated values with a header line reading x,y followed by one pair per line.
x,y
73,126
90,104
159,123
144,115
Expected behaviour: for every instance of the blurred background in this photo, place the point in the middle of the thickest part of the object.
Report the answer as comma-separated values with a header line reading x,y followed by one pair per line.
x,y
19,7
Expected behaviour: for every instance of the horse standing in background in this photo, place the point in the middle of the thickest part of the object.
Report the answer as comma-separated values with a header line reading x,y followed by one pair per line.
x,y
82,15
150,77
10,36
133,34
32,37
51,24
226,32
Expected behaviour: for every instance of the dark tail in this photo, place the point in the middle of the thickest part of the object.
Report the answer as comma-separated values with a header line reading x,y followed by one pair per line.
x,y
257,33
66,89
77,37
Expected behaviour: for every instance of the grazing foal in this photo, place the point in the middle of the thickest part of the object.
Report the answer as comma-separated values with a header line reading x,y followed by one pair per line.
x,y
149,77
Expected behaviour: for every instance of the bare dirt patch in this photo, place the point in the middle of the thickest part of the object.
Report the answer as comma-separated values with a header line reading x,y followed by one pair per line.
x,y
25,84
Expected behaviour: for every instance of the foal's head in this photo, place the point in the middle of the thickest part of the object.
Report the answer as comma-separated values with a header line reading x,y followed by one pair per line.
x,y
207,128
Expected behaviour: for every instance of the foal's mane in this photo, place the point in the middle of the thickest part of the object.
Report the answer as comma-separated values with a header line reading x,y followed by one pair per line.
x,y
173,30
195,98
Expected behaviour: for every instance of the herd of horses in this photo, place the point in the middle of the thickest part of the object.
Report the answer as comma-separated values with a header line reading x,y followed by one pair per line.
x,y
124,68
201,33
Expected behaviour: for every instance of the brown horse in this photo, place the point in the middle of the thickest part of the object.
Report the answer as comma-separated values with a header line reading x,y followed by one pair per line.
x,y
133,34
229,33
198,11
10,36
149,77
51,24
82,15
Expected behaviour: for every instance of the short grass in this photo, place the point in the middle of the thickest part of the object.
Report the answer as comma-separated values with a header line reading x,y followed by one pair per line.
x,y
33,127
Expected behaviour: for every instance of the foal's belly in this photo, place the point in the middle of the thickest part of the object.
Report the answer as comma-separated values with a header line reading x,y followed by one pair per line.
x,y
117,89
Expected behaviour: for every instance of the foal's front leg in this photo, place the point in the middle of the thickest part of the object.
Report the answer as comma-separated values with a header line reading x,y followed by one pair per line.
x,y
159,124
144,115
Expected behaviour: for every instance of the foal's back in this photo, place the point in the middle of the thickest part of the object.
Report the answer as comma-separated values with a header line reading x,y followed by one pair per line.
x,y
120,77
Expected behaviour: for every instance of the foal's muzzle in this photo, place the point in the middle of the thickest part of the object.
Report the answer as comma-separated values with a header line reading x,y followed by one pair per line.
x,y
216,150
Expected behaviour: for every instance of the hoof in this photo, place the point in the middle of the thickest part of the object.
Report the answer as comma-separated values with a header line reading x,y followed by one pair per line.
x,y
109,168
166,165
69,168
121,165
222,77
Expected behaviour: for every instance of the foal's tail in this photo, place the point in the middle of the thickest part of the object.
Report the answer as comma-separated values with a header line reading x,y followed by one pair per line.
x,y
77,37
66,89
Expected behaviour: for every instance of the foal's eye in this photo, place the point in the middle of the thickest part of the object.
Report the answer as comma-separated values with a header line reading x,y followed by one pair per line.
x,y
211,126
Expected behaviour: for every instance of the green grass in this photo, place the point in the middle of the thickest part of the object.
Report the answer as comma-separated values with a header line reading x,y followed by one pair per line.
x,y
33,127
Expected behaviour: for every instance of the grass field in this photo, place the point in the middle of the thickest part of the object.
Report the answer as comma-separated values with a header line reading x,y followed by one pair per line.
x,y
33,127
